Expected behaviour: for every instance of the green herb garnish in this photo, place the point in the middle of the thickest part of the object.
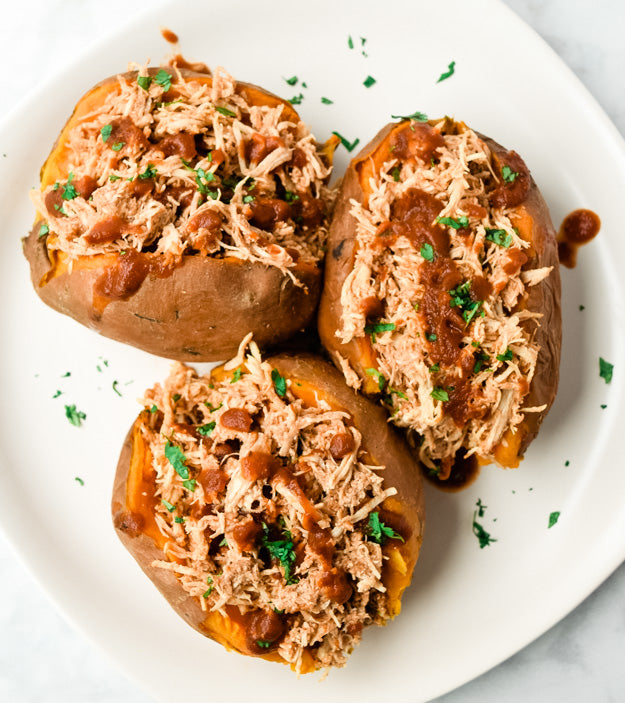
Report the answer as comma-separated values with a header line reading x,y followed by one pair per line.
x,y
380,532
378,327
189,484
350,146
482,535
179,520
416,117
369,81
378,377
176,458
211,407
75,417
43,230
154,409
296,99
440,394
506,356
395,173
290,196
431,337
499,236
282,550
350,42
79,480
292,81
508,174
236,375
118,146
263,643
435,368
144,82
163,79
448,73
69,192
224,111
168,505
150,172
327,101
115,384
279,382
553,518
605,370
455,223
427,252
114,177
207,429
479,361
106,131
460,297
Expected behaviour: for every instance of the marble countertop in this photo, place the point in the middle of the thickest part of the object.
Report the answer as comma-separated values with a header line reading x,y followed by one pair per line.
x,y
43,659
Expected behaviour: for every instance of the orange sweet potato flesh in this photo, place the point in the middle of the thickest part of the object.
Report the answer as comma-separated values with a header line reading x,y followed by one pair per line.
x,y
133,499
202,309
533,221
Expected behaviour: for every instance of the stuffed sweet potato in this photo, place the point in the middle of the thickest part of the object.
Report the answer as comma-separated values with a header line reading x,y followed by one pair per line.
x,y
274,508
442,292
179,211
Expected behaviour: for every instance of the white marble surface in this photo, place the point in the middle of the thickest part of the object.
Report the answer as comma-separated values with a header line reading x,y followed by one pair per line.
x,y
43,659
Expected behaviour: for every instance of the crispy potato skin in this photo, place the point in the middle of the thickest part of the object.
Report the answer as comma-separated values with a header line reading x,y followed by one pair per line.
x,y
543,297
382,442
202,310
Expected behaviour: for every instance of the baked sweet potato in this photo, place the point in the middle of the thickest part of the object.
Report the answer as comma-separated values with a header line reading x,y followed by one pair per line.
x,y
273,507
442,292
179,211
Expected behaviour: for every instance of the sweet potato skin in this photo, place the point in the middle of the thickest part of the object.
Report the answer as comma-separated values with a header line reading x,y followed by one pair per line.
x,y
543,297
382,442
204,307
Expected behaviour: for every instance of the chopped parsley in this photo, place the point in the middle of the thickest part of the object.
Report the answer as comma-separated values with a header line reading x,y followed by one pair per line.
x,y
263,644
378,327
116,389
144,81
567,463
395,173
163,79
499,236
350,42
106,131
209,581
279,382
380,532
605,370
79,480
211,407
440,394
416,117
248,199
460,297
427,252
378,377
43,230
508,174
431,337
455,223
350,146
236,375
479,361
168,505
282,550
291,197
57,394
292,80
114,177
224,111
481,508
506,356
69,192
154,409
176,458
67,374
296,99
581,307
448,73
207,429
150,172
327,101
176,397
118,146
189,484
553,518
603,407
179,520
482,535
74,416
369,81
435,368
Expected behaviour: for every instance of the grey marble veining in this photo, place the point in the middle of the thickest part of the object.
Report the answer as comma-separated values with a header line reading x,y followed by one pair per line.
x,y
42,659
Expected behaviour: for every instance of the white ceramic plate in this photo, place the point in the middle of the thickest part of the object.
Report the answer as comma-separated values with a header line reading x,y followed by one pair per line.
x,y
469,608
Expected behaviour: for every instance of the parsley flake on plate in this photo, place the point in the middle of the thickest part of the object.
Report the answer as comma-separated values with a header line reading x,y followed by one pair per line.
x,y
350,146
75,417
606,370
448,73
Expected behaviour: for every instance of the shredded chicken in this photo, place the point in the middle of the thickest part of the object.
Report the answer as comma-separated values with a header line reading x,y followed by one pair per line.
x,y
226,521
497,349
172,165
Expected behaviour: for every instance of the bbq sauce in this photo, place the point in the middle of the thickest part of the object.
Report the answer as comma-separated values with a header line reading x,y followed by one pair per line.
x,y
578,228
